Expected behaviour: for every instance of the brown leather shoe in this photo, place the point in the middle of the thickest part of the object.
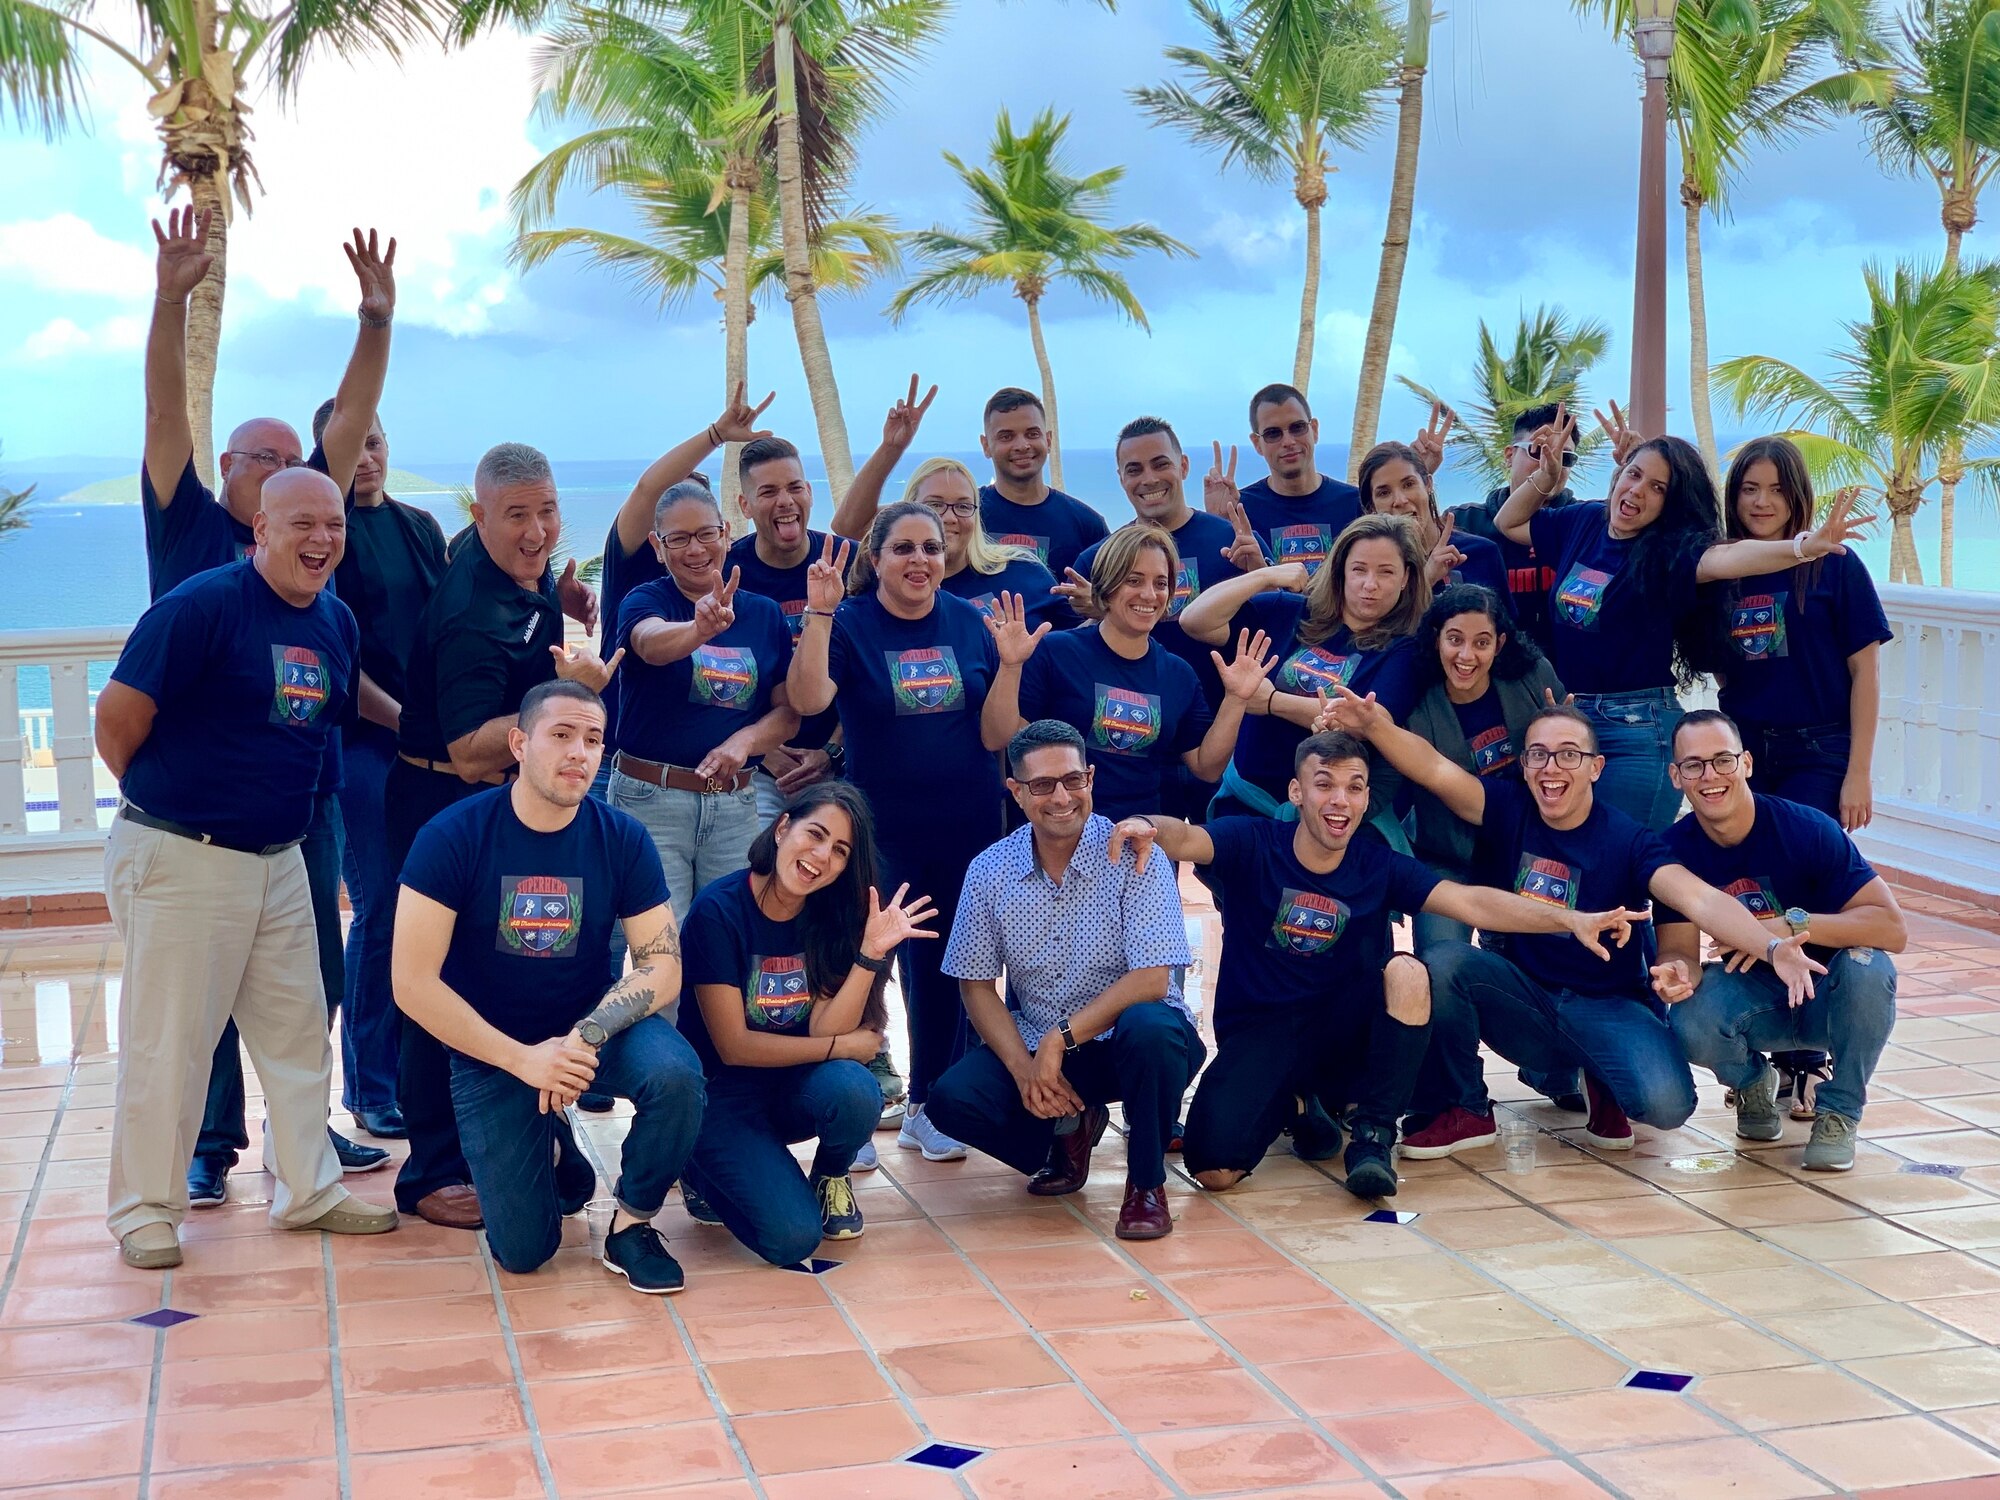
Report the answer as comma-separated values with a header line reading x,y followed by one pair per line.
x,y
453,1207
1144,1216
1068,1166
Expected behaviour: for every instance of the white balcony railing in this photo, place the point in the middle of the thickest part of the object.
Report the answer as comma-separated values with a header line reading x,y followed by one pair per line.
x,y
1937,753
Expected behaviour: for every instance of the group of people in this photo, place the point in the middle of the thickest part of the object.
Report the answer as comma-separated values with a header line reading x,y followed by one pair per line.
x,y
680,866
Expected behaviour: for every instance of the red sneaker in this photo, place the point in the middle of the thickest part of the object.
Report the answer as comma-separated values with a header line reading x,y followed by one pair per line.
x,y
1608,1129
1453,1131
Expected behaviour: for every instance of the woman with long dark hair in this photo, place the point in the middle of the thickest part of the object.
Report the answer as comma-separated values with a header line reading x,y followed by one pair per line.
x,y
786,961
1394,482
908,668
1626,625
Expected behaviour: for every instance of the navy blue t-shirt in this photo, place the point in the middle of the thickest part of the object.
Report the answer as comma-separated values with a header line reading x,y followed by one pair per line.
x,y
1301,528
786,588
1607,860
1137,718
1793,856
249,689
1057,530
1790,635
727,940
679,712
620,575
534,909
1605,636
1033,582
1264,748
1484,724
1291,936
910,692
1483,564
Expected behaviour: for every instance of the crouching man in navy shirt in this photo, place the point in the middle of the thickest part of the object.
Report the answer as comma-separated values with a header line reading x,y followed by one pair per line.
x,y
505,915
216,721
1794,870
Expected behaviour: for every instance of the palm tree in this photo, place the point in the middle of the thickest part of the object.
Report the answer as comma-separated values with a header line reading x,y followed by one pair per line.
x,y
1548,362
201,59
1033,224
1919,379
14,508
1942,119
1283,82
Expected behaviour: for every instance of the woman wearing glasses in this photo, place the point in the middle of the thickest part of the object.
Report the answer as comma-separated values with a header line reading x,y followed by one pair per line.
x,y
978,569
703,699
908,668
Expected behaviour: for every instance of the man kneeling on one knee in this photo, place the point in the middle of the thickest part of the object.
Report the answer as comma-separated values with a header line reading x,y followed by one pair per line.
x,y
501,930
1795,871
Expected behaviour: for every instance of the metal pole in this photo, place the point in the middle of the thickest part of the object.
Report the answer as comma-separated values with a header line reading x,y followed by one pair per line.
x,y
1655,38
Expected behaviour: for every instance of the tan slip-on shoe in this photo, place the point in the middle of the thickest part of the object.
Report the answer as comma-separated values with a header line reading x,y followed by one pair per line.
x,y
151,1247
352,1215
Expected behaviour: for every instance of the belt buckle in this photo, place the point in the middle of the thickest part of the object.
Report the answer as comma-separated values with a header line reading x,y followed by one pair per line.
x,y
709,786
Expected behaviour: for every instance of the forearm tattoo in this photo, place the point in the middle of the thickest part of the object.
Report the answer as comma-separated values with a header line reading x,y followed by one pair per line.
x,y
666,945
636,996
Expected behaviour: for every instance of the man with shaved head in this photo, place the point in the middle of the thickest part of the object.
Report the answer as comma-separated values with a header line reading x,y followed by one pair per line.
x,y
190,529
216,722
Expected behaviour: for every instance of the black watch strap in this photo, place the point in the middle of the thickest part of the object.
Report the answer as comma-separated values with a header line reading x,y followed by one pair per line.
x,y
1070,1043
873,965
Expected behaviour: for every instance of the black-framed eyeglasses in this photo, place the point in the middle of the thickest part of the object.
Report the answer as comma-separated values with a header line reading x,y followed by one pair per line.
x,y
1723,763
1537,757
1296,429
911,549
680,541
267,458
963,509
1073,782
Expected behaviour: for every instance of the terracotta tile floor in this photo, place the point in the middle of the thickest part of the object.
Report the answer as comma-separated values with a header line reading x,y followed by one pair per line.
x,y
1841,1331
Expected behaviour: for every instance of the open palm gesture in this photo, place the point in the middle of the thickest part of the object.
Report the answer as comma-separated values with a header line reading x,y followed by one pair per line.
x,y
888,926
1840,527
739,423
1007,619
826,579
184,259
1218,485
1242,676
375,269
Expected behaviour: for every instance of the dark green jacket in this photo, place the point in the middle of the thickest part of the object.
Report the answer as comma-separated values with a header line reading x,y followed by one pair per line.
x,y
1443,840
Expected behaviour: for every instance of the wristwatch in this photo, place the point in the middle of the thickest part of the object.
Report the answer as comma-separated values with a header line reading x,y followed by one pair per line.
x,y
1798,919
1070,1042
591,1034
836,759
873,965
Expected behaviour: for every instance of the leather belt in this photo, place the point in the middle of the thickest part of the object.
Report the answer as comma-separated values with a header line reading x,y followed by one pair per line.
x,y
445,767
676,778
132,814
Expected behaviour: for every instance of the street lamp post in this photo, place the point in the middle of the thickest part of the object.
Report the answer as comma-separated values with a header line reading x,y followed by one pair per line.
x,y
1653,31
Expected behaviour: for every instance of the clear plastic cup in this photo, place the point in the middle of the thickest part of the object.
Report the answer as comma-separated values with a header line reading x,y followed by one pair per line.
x,y
597,1214
1517,1139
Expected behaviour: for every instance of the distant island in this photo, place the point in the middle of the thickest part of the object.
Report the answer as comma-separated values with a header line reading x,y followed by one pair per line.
x,y
124,489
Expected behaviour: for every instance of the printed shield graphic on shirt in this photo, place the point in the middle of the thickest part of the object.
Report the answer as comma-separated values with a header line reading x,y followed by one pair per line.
x,y
1492,750
925,681
1187,583
1581,596
776,997
794,611
1309,669
301,688
723,677
1757,627
1757,894
1307,922
1301,544
1547,880
1126,723
540,915
1039,545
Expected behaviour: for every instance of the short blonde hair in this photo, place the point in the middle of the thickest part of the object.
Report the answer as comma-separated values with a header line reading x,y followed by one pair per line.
x,y
1117,553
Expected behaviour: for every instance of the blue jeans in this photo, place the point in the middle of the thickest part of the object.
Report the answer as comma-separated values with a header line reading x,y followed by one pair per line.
x,y
741,1164
600,788
1635,734
1806,766
1733,1020
223,1133
512,1147
1624,1043
701,837
369,1021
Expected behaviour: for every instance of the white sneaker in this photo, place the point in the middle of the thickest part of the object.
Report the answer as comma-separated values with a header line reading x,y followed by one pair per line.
x,y
918,1134
865,1160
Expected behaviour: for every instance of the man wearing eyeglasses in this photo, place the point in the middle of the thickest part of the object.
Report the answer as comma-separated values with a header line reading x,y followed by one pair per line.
x,y
1547,1005
1295,510
1090,947
1796,873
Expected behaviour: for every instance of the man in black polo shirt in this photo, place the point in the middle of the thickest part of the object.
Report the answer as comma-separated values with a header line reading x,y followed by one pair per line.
x,y
190,529
491,631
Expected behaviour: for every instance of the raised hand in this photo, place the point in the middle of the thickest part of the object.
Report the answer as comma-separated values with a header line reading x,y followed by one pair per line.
x,y
1343,708
1549,443
715,611
826,579
1076,589
376,271
1840,526
889,926
184,259
1430,442
1007,619
1444,556
899,428
1591,927
738,423
1244,551
1242,676
1622,438
1549,697
1136,834
1218,485
581,664
577,598
1671,981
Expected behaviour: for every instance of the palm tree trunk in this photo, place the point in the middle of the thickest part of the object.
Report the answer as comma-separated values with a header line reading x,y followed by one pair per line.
x,y
1951,469
1302,360
209,193
1692,203
1904,497
800,290
736,321
1048,390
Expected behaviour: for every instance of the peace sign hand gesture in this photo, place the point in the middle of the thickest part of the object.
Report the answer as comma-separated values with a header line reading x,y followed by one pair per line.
x,y
1218,485
1430,442
1007,619
1549,443
183,261
1254,659
738,424
715,611
826,579
899,428
1622,438
377,274
888,926
1244,550
1444,556
1075,588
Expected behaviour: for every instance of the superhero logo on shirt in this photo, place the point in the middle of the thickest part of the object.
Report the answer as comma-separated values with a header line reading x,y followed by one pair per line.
x,y
1547,880
986,604
1758,896
1308,923
1187,583
925,681
1126,723
1492,751
301,687
723,677
1301,544
1581,596
1039,545
794,611
1757,627
540,915
1309,669
776,998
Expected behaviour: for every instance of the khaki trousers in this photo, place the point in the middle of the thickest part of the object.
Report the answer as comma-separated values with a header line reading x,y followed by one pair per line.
x,y
210,933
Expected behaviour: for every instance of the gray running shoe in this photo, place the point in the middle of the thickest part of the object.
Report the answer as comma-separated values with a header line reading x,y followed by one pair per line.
x,y
1831,1148
1757,1117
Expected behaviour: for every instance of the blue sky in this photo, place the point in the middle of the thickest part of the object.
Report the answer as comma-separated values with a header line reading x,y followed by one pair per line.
x,y
1525,195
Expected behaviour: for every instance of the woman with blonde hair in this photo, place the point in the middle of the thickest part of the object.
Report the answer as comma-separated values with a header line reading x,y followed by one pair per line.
x,y
976,568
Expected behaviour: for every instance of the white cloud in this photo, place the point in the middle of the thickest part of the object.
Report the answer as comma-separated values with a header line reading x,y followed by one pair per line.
x,y
65,253
61,337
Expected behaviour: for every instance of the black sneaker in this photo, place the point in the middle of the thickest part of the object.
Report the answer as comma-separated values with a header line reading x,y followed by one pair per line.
x,y
355,1157
1315,1133
1370,1171
576,1178
699,1208
208,1184
596,1104
637,1253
